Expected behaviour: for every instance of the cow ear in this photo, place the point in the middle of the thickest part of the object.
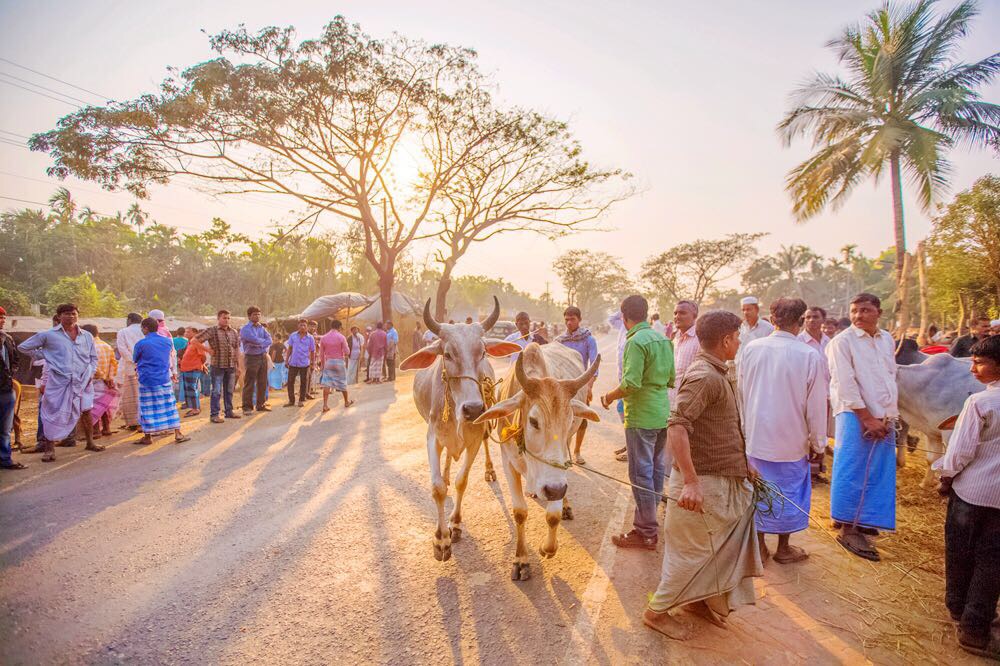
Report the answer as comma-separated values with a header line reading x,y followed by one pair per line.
x,y
948,423
501,409
583,411
500,348
423,358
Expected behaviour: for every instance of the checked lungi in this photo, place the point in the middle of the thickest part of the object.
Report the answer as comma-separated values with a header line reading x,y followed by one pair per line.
x,y
157,409
128,403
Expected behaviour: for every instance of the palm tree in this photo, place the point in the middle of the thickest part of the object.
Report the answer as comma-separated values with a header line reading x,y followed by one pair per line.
x,y
791,260
136,216
88,214
904,103
63,205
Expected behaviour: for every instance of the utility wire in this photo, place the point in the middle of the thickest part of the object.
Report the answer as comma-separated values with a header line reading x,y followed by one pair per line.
x,y
67,83
38,203
16,85
19,136
51,90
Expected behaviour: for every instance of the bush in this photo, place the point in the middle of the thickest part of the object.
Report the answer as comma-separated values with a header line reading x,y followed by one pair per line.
x,y
82,292
15,302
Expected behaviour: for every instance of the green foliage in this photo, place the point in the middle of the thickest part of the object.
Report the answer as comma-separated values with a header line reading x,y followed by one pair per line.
x,y
82,292
905,99
964,250
594,281
15,302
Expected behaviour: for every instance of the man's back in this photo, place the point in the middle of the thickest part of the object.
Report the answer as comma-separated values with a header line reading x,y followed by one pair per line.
x,y
648,370
779,375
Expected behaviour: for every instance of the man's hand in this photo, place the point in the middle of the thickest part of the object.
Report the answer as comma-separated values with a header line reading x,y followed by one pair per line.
x,y
944,486
605,403
110,383
752,473
875,429
691,498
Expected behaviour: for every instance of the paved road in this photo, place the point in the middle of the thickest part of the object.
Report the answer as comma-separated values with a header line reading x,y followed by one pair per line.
x,y
297,537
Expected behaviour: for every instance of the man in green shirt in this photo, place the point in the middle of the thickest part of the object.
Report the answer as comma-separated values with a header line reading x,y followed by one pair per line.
x,y
647,373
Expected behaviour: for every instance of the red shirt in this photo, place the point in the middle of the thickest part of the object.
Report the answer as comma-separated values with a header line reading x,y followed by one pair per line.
x,y
194,357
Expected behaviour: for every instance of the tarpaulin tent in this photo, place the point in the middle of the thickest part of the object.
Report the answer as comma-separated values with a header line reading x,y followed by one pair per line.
x,y
402,306
341,306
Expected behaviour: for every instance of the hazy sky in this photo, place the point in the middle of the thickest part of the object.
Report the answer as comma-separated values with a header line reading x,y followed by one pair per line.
x,y
685,95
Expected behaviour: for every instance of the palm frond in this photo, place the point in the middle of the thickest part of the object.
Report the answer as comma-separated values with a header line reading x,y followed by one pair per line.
x,y
971,123
924,162
828,175
940,43
969,76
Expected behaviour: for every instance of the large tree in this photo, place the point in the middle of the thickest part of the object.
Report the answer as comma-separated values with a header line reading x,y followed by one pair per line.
x,y
692,270
903,102
368,130
530,177
593,280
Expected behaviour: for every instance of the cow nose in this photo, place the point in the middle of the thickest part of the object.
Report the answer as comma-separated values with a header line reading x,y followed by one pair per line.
x,y
472,410
554,492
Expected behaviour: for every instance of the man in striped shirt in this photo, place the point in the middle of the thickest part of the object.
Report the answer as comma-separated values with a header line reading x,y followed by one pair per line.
x,y
970,471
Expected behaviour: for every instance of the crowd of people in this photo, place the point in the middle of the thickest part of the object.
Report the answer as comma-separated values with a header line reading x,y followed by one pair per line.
x,y
151,374
722,414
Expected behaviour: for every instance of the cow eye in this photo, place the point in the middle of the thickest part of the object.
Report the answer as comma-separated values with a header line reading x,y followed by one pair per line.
x,y
534,422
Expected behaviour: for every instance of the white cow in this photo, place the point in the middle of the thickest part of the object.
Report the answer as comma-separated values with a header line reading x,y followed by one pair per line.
x,y
448,396
931,395
543,399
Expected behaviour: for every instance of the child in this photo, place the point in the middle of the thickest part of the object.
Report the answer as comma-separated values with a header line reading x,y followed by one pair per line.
x,y
970,478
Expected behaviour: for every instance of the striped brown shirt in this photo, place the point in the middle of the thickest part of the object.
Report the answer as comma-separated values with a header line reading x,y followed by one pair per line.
x,y
706,407
224,343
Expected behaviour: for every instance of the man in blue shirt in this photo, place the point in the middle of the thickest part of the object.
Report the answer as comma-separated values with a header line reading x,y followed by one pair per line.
x,y
256,341
581,341
392,345
157,405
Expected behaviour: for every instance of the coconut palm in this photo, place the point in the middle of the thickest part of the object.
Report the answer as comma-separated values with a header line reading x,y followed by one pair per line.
x,y
63,205
792,260
88,214
136,216
903,104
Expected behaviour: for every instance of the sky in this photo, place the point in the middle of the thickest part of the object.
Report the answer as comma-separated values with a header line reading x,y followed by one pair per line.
x,y
683,95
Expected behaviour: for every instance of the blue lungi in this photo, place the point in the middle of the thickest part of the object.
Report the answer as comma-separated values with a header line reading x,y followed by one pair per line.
x,y
157,409
334,374
277,376
863,484
795,482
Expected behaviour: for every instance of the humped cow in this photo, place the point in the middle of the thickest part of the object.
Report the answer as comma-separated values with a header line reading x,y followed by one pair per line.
x,y
541,406
448,394
931,395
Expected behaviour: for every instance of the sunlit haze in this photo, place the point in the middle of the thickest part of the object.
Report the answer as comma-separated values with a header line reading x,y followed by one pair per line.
x,y
685,96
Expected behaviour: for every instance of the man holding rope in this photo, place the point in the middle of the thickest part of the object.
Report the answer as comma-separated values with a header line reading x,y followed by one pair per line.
x,y
710,553
863,396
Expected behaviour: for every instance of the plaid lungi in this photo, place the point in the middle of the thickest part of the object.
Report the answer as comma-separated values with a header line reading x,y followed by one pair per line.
x,y
157,409
128,403
105,401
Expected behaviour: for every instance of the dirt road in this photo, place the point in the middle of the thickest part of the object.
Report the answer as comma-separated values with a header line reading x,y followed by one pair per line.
x,y
296,537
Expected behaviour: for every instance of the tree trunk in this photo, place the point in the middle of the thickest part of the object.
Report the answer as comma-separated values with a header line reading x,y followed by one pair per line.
x,y
899,230
441,298
922,338
903,300
386,280
961,312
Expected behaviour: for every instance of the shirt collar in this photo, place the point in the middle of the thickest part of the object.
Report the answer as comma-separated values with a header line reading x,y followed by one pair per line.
x,y
860,333
993,386
638,327
783,334
714,361
690,333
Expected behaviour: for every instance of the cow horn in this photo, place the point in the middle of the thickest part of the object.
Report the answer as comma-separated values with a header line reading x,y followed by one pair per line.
x,y
491,321
528,385
429,322
575,385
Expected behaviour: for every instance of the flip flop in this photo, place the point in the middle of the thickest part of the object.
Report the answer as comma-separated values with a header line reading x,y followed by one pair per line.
x,y
623,457
860,551
14,465
797,556
348,404
182,439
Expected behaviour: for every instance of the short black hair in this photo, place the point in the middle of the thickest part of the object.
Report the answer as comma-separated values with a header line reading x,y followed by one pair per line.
x,y
689,304
988,347
843,323
90,328
573,311
865,297
150,324
133,318
786,312
179,332
379,325
66,307
303,320
313,322
821,311
222,312
335,324
522,315
714,325
635,308
252,309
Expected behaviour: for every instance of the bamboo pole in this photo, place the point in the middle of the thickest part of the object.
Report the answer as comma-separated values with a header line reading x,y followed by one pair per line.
x,y
922,337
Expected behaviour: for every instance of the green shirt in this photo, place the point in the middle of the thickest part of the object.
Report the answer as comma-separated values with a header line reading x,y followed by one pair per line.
x,y
647,372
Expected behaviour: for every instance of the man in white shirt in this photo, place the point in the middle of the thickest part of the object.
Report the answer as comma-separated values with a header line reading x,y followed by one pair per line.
x,y
863,396
812,334
686,345
657,325
753,327
970,470
523,335
127,380
784,389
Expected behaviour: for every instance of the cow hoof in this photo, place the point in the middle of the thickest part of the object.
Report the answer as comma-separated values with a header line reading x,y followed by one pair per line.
x,y
911,443
456,534
442,552
545,554
567,513
491,476
520,571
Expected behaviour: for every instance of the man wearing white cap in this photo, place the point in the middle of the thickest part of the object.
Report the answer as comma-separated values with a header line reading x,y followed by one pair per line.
x,y
753,327
995,327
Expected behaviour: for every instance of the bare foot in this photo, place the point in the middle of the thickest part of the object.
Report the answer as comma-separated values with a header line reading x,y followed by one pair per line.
x,y
701,609
666,625
765,553
348,404
326,408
